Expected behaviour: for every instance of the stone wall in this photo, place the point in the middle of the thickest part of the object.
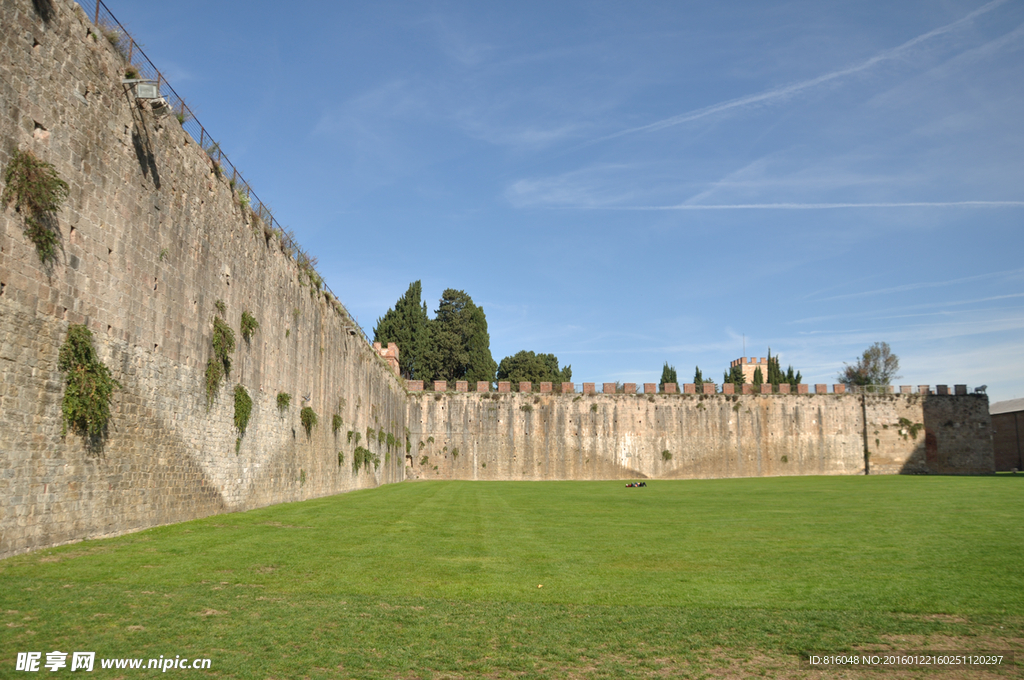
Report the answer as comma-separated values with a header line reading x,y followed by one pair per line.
x,y
624,436
152,238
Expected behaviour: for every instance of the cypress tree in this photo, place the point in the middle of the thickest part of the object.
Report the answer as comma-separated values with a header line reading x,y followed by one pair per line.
x,y
668,375
407,325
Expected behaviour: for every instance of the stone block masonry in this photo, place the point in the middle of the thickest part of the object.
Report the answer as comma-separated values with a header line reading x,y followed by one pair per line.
x,y
620,436
152,239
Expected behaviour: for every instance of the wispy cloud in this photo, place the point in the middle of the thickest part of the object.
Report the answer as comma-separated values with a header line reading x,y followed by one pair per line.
x,y
795,88
923,284
592,187
816,206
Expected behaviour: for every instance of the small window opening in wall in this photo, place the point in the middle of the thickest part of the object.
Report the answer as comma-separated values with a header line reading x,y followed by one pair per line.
x,y
72,235
154,283
65,315
109,251
155,346
109,328
2,287
40,133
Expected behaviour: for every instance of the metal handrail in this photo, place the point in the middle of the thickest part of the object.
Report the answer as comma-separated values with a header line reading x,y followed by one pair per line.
x,y
117,35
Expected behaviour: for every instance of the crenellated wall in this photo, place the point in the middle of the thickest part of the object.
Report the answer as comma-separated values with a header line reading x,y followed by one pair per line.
x,y
152,238
508,435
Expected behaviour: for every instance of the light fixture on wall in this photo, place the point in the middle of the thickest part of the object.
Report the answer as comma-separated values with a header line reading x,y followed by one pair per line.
x,y
146,89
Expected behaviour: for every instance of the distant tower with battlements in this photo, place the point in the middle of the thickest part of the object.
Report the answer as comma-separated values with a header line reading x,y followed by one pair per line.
x,y
749,366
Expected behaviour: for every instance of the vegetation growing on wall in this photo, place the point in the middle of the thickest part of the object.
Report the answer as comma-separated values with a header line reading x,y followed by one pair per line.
x,y
37,192
249,326
283,400
219,364
336,424
243,409
362,456
309,419
88,384
909,428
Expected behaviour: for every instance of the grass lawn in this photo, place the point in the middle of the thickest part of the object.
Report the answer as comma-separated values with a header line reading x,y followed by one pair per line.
x,y
715,578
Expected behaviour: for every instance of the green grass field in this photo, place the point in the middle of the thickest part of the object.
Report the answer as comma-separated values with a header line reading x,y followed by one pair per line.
x,y
720,578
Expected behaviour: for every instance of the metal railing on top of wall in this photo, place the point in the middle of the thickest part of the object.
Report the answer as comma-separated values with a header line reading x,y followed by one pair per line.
x,y
117,35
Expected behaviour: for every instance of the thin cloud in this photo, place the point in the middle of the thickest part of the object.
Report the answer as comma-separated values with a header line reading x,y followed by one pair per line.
x,y
788,90
924,284
817,206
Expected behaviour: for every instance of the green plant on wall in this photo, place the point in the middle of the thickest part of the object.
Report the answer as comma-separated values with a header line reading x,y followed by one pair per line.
x,y
214,374
390,441
243,409
37,192
362,456
381,436
249,326
221,307
371,434
283,400
666,455
88,385
309,420
336,424
219,364
909,428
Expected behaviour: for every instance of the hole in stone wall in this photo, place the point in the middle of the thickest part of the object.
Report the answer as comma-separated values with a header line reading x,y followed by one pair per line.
x,y
40,133
108,329
65,315
154,283
2,287
109,251
35,44
155,346
73,235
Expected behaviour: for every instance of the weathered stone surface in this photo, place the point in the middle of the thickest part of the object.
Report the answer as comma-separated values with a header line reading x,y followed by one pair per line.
x,y
148,248
153,237
714,435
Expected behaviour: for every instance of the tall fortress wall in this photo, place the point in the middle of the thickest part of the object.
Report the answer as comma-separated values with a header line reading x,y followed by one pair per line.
x,y
153,237
535,436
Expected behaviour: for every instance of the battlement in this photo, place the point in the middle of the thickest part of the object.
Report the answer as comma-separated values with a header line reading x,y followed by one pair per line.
x,y
505,387
389,354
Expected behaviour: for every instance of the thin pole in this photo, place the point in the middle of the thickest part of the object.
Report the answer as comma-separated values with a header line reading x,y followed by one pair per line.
x,y
97,22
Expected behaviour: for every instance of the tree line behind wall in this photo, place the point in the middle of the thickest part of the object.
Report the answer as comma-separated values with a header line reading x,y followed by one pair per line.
x,y
454,345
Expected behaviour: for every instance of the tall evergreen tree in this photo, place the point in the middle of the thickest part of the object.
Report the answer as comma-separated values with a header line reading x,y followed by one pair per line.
x,y
758,378
668,375
735,375
698,379
407,325
462,346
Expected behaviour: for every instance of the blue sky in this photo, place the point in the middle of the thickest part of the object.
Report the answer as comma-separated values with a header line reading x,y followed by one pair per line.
x,y
624,184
